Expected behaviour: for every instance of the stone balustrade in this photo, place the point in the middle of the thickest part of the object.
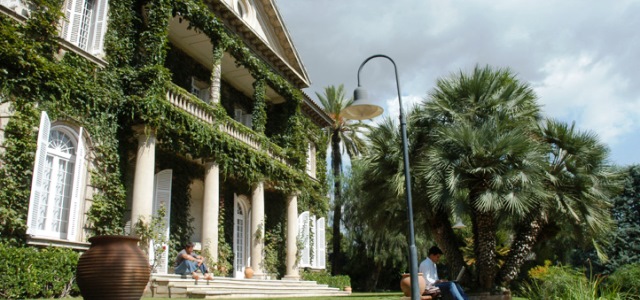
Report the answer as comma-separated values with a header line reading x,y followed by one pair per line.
x,y
229,126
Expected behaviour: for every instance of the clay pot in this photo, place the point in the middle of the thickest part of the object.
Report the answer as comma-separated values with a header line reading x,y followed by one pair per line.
x,y
248,272
113,268
347,289
405,284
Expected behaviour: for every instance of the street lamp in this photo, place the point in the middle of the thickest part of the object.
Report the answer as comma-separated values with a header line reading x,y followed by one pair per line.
x,y
362,109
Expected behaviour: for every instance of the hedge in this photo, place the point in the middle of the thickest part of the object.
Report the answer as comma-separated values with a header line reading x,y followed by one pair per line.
x,y
28,272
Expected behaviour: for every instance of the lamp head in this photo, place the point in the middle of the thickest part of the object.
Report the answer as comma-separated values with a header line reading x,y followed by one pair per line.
x,y
458,224
361,108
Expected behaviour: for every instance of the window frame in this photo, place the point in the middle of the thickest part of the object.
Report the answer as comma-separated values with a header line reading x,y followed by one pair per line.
x,y
76,188
71,26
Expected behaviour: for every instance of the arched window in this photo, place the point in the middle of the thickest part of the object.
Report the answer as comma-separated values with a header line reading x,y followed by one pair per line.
x,y
57,182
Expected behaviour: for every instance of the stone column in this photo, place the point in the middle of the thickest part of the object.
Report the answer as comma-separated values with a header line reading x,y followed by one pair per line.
x,y
142,204
292,238
257,229
211,210
216,75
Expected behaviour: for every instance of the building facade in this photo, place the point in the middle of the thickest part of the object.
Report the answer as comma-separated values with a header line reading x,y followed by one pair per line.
x,y
113,112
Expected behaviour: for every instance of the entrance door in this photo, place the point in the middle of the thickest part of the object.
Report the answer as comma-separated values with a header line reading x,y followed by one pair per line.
x,y
240,235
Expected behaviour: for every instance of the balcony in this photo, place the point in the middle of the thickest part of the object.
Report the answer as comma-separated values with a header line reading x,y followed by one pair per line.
x,y
186,102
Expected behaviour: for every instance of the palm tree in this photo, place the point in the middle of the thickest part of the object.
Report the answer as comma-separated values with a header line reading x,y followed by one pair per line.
x,y
580,184
379,206
344,136
484,158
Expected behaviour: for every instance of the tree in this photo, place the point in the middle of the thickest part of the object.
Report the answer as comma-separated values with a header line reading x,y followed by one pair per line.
x,y
625,247
377,212
480,148
374,243
484,159
344,136
579,183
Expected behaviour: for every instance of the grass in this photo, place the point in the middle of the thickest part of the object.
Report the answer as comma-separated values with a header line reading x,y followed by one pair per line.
x,y
354,296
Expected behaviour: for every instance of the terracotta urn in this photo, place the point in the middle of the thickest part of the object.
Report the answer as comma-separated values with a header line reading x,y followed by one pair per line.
x,y
114,267
248,272
405,284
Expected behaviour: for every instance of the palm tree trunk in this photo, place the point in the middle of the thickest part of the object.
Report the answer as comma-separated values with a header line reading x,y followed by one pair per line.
x,y
526,237
336,165
484,236
447,240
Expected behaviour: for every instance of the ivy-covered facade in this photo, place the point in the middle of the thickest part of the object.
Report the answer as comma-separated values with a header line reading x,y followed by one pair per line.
x,y
110,110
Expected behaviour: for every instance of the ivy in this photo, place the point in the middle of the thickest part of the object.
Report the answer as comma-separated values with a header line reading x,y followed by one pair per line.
x,y
259,117
131,90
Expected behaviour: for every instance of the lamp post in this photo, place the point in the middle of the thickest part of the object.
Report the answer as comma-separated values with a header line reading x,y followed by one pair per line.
x,y
362,109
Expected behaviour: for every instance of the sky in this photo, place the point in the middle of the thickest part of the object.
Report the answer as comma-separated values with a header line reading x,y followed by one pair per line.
x,y
582,57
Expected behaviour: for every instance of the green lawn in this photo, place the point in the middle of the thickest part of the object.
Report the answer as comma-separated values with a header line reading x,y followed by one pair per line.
x,y
354,296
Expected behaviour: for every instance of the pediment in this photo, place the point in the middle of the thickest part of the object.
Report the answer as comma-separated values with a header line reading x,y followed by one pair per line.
x,y
260,24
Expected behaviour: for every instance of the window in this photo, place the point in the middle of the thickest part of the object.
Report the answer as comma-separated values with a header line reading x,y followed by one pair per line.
x,y
57,182
242,117
85,24
161,199
310,228
19,6
311,159
200,89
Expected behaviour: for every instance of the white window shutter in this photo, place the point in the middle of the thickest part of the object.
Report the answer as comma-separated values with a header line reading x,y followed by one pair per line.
x,y
303,234
66,24
314,260
162,197
76,20
10,3
77,188
100,27
309,158
38,170
321,247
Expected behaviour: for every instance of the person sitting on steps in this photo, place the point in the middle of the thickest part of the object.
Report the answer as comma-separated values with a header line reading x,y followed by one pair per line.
x,y
188,262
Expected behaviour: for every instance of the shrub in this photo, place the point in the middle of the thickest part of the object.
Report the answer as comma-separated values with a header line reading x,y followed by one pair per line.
x,y
563,282
323,277
27,272
628,279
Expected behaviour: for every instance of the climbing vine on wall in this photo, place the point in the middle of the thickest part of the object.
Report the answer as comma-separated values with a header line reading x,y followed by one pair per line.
x,y
131,90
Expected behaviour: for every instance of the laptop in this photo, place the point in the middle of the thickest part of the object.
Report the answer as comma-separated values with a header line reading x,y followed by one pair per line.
x,y
460,274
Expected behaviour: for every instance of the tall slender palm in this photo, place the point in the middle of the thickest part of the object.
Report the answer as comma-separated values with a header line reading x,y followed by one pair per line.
x,y
580,184
344,136
484,157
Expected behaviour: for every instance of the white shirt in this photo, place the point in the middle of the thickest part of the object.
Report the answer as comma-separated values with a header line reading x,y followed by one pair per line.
x,y
429,271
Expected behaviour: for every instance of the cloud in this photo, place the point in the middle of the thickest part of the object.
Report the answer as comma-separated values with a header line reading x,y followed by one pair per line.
x,y
580,56
582,89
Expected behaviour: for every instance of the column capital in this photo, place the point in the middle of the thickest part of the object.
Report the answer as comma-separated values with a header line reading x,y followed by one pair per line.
x,y
143,130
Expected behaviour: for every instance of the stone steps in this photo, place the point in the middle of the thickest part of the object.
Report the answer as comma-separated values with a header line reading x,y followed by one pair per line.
x,y
176,286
